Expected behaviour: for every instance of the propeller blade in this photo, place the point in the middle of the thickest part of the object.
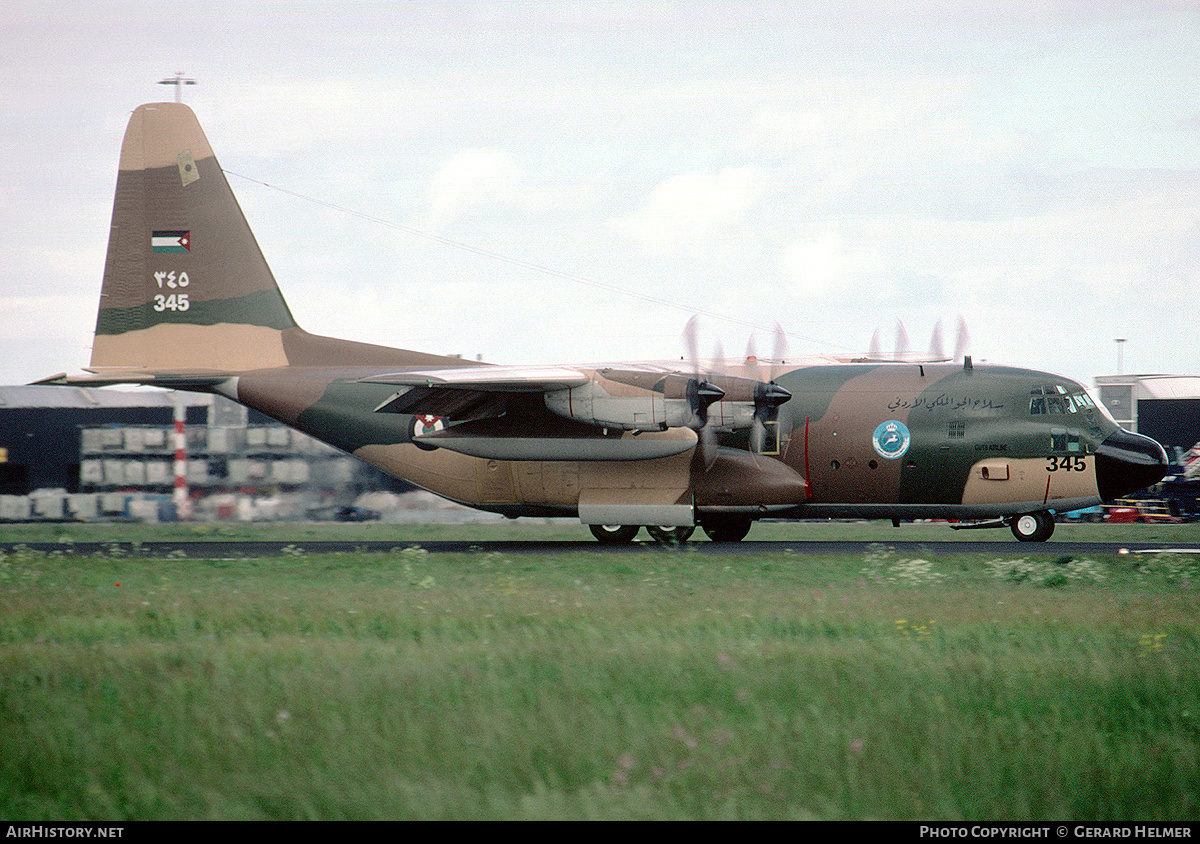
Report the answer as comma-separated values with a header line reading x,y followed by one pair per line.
x,y
714,370
779,352
701,394
901,341
962,343
937,349
689,345
758,434
751,360
876,350
708,446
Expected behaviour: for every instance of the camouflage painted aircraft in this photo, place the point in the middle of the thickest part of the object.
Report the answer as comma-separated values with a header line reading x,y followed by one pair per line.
x,y
189,303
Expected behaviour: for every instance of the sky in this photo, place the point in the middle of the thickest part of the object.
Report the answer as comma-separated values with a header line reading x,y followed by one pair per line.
x,y
570,182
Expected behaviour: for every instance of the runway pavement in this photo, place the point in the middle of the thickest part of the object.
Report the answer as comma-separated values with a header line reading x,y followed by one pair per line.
x,y
244,549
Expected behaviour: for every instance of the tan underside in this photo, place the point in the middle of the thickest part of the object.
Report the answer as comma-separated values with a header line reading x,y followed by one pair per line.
x,y
477,481
166,346
455,476
1027,479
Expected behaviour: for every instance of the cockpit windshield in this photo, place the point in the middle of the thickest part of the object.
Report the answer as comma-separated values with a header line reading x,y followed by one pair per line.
x,y
1102,410
1071,400
1055,398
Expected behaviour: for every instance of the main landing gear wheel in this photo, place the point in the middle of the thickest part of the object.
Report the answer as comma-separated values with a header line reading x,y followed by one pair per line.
x,y
614,534
668,535
729,529
1032,527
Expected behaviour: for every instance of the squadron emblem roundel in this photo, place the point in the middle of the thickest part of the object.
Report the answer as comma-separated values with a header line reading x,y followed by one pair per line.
x,y
423,424
891,439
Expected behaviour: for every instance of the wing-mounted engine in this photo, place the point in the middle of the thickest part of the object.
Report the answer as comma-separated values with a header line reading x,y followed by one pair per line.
x,y
646,400
499,413
636,400
554,413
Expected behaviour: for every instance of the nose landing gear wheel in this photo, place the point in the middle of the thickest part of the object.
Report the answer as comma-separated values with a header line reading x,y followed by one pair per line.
x,y
614,534
1032,527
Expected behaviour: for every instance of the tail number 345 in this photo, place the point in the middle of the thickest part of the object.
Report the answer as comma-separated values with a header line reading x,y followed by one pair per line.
x,y
1074,463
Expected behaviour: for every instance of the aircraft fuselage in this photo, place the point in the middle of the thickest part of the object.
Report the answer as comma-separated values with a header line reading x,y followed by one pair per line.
x,y
876,440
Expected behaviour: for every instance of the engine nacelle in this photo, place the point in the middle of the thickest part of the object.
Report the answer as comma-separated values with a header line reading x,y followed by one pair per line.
x,y
594,405
639,409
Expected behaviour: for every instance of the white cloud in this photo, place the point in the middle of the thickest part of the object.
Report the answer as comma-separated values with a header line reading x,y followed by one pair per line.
x,y
826,264
694,206
472,178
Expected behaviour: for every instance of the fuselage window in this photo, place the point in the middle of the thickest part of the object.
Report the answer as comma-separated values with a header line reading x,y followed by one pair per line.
x,y
1062,439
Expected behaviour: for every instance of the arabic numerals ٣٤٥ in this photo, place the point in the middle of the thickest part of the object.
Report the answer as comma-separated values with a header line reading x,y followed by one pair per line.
x,y
169,279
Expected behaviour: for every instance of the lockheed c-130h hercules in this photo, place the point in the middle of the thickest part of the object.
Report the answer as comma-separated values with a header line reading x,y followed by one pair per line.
x,y
189,303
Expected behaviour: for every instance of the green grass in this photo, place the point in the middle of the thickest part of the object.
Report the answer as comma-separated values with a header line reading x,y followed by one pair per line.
x,y
562,530
582,684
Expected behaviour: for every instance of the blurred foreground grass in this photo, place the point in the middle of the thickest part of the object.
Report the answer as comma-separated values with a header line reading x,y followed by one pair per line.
x,y
563,530
582,684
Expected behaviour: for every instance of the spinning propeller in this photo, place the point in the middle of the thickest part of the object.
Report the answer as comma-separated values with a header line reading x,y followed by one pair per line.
x,y
701,393
937,346
768,395
705,389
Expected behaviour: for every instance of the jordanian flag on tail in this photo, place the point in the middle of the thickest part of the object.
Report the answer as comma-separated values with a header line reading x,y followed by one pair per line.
x,y
171,241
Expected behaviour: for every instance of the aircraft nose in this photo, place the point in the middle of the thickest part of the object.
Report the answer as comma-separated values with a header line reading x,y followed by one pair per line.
x,y
1126,462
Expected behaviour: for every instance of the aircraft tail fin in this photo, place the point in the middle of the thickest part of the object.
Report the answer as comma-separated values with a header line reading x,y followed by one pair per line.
x,y
188,298
186,287
185,283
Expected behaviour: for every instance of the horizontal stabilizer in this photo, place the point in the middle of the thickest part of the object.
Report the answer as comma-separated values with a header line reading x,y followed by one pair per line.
x,y
173,380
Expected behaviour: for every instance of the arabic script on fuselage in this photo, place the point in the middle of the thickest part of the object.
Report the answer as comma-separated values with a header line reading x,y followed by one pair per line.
x,y
945,401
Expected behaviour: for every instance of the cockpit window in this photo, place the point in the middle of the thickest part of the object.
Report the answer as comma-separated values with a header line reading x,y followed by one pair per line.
x,y
1073,408
1057,400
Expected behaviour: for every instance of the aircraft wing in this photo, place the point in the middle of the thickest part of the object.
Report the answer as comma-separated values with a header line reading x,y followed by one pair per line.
x,y
498,412
471,391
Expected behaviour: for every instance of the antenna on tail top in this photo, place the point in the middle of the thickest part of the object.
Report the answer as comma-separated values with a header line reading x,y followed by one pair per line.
x,y
178,80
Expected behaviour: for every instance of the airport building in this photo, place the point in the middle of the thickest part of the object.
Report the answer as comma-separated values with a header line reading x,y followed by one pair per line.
x,y
1163,407
74,453
41,429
